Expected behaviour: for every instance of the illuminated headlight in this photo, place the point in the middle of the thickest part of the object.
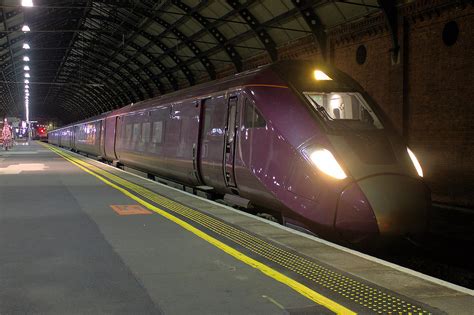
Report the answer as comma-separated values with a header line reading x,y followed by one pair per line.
x,y
415,162
326,163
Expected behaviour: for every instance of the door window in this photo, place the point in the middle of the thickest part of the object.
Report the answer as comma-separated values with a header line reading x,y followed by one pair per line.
x,y
252,117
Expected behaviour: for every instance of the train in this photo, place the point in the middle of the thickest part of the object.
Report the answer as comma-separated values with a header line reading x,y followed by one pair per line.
x,y
297,142
39,132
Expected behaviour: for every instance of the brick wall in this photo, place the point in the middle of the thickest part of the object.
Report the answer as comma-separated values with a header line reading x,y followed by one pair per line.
x,y
441,124
439,86
440,93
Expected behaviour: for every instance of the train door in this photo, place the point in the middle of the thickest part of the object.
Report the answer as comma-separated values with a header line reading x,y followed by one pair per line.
x,y
212,141
230,140
109,143
102,138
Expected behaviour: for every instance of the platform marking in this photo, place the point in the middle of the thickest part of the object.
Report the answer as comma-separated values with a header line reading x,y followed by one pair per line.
x,y
295,285
22,167
366,295
129,209
379,261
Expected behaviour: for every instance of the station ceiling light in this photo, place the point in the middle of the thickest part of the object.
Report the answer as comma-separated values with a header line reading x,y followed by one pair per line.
x,y
25,28
27,75
26,58
26,46
26,68
27,81
27,86
26,3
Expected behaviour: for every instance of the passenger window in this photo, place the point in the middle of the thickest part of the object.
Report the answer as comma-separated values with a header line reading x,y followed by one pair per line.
x,y
146,132
157,132
252,117
136,132
128,133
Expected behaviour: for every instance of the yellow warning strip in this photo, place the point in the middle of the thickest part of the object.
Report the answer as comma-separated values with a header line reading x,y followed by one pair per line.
x,y
272,273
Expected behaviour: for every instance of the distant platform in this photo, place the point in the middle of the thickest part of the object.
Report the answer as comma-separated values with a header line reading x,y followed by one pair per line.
x,y
79,236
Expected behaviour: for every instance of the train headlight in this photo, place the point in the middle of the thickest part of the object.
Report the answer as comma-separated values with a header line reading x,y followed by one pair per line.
x,y
321,76
415,162
326,163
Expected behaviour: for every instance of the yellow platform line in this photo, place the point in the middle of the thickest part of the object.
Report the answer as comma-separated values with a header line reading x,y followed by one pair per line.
x,y
272,273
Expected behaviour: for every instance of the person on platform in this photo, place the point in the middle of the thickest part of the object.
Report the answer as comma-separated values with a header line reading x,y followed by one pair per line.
x,y
7,135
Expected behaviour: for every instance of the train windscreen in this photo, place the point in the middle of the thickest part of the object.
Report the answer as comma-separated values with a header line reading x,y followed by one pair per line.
x,y
344,110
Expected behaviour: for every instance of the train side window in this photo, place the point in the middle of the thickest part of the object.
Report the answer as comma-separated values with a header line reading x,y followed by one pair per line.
x,y
146,132
128,133
136,132
157,136
252,117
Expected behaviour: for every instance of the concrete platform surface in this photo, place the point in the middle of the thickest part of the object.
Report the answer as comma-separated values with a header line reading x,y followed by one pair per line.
x,y
78,236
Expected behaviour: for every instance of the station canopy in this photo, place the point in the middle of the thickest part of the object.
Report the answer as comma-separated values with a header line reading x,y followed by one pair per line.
x,y
89,57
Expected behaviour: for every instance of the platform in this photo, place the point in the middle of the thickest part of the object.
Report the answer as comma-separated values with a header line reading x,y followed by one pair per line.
x,y
78,236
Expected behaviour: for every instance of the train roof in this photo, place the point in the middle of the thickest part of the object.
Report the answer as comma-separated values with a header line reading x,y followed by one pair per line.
x,y
288,72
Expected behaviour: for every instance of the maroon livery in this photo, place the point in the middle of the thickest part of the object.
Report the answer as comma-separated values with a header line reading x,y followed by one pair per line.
x,y
297,141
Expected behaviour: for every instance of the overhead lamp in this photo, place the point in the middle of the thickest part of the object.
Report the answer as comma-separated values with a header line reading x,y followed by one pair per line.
x,y
27,86
26,58
27,81
27,75
25,28
26,68
26,46
26,3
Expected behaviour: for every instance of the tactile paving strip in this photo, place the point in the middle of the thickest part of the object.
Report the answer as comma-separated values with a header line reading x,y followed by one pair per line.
x,y
372,298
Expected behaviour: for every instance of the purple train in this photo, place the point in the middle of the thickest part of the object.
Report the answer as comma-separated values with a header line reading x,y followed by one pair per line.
x,y
297,142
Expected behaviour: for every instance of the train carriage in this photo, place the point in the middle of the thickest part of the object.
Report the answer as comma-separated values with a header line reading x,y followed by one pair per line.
x,y
300,142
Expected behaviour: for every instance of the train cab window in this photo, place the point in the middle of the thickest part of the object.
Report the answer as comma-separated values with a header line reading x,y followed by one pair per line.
x,y
157,136
344,110
252,117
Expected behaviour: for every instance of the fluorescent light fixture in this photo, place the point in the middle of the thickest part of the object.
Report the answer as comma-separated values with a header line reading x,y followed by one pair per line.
x,y
26,68
26,58
26,3
27,81
326,163
27,86
321,76
415,162
26,46
25,28
27,75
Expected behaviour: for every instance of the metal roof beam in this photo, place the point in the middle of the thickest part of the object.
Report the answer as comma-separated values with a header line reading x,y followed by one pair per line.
x,y
258,28
214,31
390,11
314,23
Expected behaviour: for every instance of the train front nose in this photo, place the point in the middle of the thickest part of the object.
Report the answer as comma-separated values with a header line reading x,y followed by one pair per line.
x,y
384,207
